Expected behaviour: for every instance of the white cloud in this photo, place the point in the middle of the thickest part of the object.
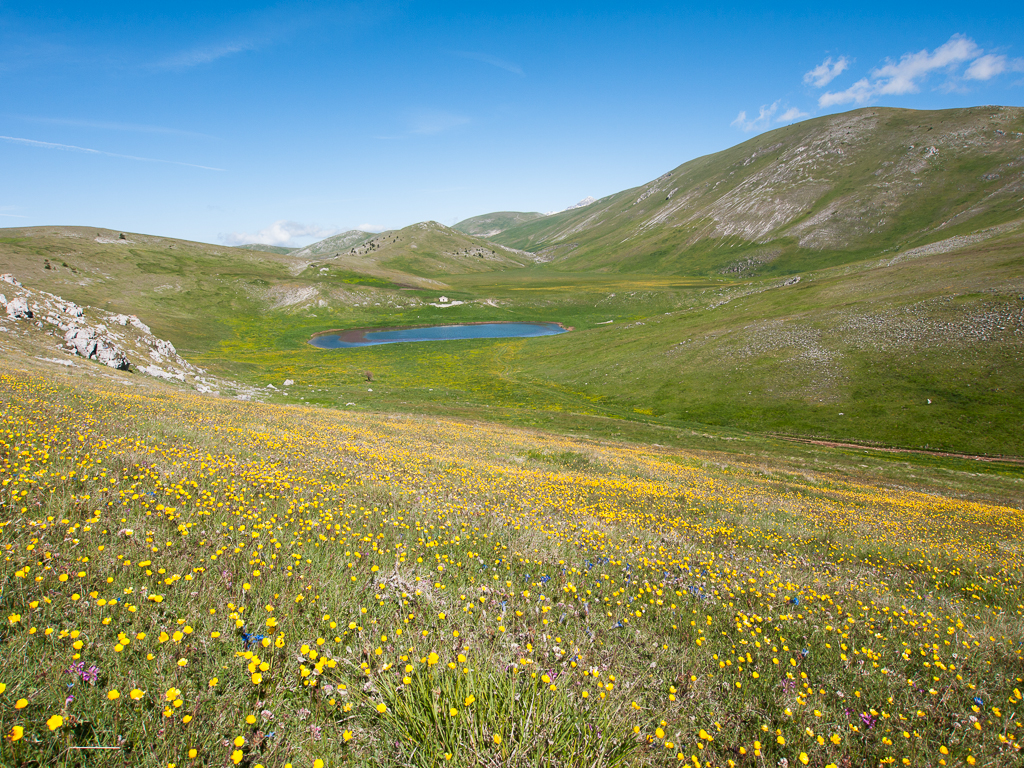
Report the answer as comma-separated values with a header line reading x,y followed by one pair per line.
x,y
112,126
204,55
282,232
87,150
431,121
494,61
990,65
905,76
826,72
371,228
791,114
766,115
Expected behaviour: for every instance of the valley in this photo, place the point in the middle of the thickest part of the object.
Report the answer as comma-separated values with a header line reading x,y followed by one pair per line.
x,y
759,504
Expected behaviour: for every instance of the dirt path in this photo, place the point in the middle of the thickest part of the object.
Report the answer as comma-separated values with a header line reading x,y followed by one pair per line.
x,y
832,444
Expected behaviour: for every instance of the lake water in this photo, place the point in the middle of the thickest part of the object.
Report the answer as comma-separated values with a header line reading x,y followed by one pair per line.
x,y
365,337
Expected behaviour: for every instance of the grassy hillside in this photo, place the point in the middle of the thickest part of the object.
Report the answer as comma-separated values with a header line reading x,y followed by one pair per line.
x,y
819,193
733,517
267,248
333,245
191,580
918,348
490,224
193,292
427,250
853,353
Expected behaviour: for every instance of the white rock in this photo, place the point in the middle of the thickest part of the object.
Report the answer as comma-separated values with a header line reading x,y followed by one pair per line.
x,y
288,382
9,278
165,347
111,356
18,309
160,373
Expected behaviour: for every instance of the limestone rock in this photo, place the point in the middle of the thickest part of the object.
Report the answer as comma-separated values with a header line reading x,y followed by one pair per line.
x,y
17,308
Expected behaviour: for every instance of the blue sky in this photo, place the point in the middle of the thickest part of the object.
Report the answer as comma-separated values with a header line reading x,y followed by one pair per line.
x,y
286,122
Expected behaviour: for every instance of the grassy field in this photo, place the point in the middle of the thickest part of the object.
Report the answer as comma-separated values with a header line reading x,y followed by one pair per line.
x,y
917,349
762,505
195,581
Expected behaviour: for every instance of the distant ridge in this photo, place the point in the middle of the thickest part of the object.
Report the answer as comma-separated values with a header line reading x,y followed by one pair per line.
x,y
490,224
267,248
427,249
581,204
333,245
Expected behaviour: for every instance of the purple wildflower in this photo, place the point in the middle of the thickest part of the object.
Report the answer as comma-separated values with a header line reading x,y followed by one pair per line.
x,y
91,675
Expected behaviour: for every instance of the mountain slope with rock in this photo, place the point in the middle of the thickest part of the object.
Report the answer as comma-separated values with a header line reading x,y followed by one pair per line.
x,y
826,191
44,323
425,250
491,224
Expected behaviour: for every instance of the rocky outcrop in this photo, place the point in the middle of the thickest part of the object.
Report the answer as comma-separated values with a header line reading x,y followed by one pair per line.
x,y
118,341
84,342
17,309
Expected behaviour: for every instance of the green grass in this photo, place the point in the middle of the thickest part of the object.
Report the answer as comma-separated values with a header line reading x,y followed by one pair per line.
x,y
197,581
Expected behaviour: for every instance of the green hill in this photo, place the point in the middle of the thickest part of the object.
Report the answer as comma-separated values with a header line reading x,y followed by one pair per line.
x,y
815,194
267,248
332,245
491,224
427,250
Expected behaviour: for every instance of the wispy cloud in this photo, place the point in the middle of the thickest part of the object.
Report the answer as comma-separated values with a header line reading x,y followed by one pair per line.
x,y
111,126
897,78
494,61
990,65
281,233
763,119
428,122
371,228
792,114
766,115
194,57
87,150
826,72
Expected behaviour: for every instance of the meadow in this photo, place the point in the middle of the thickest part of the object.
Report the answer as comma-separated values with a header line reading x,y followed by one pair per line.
x,y
193,581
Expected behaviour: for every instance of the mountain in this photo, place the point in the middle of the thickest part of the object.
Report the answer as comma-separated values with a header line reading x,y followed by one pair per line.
x,y
582,203
490,224
425,250
332,245
267,248
819,193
